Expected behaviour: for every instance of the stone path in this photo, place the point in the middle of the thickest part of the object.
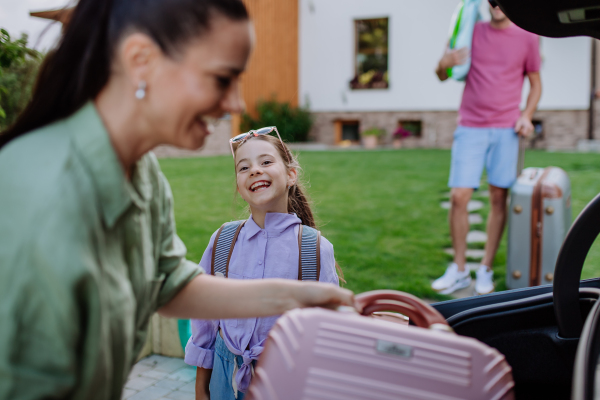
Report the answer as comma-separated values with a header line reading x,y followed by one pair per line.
x,y
474,205
476,254
160,378
473,237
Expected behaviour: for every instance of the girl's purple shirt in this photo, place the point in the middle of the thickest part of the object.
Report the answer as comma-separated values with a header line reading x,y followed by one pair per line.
x,y
258,253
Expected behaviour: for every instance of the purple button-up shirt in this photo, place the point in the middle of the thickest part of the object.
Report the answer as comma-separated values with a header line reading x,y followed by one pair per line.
x,y
258,253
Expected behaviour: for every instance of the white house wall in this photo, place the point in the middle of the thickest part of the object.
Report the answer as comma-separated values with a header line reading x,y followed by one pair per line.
x,y
418,31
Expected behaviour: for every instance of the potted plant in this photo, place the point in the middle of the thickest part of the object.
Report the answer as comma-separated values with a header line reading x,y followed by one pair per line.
x,y
371,136
399,135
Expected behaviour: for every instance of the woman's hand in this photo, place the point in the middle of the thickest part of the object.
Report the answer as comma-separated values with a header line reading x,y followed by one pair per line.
x,y
324,295
209,297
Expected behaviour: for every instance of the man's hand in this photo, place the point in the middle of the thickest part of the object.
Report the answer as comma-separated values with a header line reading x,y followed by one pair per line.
x,y
451,58
454,57
524,127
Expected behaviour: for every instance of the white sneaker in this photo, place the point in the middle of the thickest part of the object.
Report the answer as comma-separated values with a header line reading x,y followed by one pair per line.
x,y
452,280
484,283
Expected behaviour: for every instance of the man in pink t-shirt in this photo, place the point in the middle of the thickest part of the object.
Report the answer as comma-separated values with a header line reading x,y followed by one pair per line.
x,y
490,123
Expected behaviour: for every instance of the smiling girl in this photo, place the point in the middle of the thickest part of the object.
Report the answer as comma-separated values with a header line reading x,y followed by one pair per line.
x,y
275,242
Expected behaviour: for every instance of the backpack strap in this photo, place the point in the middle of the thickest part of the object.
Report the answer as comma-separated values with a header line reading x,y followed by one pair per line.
x,y
309,257
223,247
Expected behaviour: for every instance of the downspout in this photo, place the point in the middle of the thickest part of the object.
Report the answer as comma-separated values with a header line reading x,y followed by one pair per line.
x,y
592,92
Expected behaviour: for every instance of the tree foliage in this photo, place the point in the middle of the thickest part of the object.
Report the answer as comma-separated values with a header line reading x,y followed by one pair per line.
x,y
293,123
18,69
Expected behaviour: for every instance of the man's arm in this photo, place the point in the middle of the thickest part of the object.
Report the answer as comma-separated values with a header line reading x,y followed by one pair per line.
x,y
450,59
524,127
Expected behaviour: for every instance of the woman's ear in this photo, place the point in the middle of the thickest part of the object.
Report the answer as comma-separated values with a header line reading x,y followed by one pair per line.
x,y
292,176
138,57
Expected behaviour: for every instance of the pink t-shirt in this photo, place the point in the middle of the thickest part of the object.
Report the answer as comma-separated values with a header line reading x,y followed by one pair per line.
x,y
500,59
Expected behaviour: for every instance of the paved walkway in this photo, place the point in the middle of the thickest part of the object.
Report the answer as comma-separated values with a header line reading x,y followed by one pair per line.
x,y
160,378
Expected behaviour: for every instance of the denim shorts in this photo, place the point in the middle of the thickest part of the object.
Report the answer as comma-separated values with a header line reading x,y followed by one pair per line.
x,y
221,379
473,148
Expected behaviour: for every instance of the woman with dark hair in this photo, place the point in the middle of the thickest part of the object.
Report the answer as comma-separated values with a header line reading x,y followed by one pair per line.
x,y
88,247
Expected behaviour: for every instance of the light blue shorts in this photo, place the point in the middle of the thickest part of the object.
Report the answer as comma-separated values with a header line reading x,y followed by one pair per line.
x,y
473,148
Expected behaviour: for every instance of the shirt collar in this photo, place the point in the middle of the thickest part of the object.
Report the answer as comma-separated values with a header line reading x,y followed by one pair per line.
x,y
275,224
114,191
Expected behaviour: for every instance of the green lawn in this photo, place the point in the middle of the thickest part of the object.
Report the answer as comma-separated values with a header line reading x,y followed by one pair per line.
x,y
380,209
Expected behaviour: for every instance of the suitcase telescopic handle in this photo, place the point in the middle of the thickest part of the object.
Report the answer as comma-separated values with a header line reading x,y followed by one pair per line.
x,y
419,312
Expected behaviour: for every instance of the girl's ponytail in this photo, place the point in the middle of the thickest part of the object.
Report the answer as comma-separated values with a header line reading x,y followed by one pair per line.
x,y
300,205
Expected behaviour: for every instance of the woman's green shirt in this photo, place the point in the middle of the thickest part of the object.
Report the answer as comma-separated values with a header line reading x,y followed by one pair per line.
x,y
86,257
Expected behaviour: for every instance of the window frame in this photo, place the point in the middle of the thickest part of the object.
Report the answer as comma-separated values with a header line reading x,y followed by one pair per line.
x,y
383,84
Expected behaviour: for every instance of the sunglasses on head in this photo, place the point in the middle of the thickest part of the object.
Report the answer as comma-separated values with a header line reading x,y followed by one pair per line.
x,y
241,138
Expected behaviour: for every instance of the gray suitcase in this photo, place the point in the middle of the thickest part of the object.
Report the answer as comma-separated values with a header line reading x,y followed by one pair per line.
x,y
538,220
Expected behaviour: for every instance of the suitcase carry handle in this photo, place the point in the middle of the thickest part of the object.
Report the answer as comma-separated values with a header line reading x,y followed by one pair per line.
x,y
419,312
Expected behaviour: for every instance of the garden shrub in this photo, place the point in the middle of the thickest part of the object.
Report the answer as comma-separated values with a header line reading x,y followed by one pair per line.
x,y
293,123
18,70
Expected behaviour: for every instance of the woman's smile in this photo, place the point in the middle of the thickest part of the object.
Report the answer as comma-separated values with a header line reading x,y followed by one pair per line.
x,y
205,124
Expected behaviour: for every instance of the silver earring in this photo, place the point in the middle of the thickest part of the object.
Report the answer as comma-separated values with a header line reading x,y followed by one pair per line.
x,y
140,93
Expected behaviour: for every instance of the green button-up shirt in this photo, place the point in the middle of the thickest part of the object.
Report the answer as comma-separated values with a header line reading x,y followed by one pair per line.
x,y
86,257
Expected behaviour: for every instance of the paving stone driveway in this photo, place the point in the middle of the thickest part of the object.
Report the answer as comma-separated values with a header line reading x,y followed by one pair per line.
x,y
160,378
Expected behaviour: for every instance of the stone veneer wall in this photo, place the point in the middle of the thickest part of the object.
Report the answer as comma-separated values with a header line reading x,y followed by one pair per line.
x,y
562,128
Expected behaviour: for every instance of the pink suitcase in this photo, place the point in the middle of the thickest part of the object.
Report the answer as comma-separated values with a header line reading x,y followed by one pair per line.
x,y
323,354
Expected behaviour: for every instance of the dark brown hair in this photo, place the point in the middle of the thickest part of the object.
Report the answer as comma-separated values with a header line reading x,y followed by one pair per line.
x,y
77,70
298,202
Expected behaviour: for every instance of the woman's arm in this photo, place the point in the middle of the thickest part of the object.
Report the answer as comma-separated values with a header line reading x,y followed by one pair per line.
x,y
232,298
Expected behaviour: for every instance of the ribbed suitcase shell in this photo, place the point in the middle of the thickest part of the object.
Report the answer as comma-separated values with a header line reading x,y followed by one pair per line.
x,y
322,354
550,229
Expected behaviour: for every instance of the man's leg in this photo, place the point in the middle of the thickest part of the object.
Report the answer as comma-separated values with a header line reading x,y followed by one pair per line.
x,y
495,223
459,224
468,157
501,165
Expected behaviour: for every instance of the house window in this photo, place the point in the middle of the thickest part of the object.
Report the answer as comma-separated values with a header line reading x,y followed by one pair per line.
x,y
410,128
538,133
538,129
371,55
347,132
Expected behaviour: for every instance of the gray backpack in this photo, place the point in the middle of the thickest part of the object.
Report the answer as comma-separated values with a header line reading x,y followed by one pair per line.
x,y
309,260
